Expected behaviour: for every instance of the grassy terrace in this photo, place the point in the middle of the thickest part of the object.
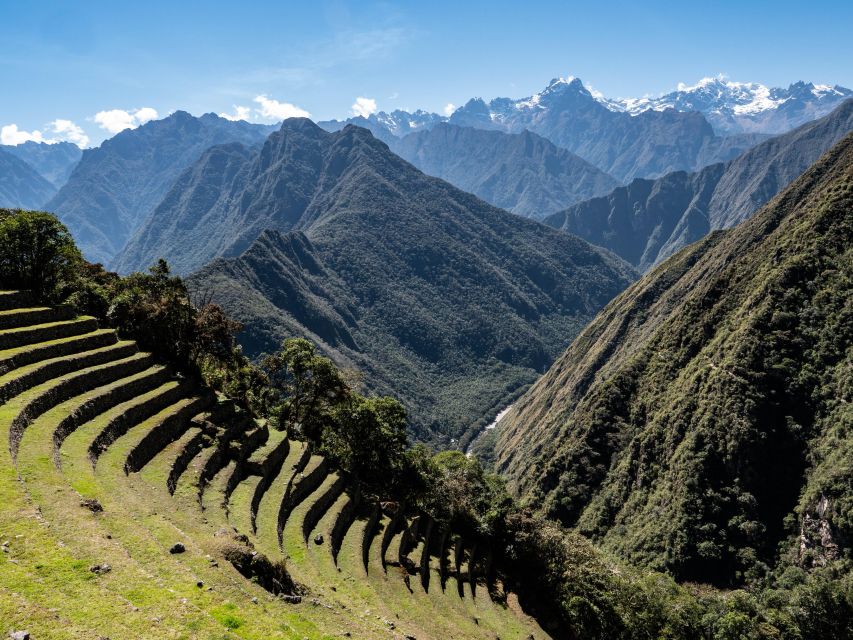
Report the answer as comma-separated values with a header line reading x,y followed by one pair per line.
x,y
88,551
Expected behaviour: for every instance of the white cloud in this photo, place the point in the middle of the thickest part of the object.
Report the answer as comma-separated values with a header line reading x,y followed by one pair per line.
x,y
115,120
240,113
10,134
279,110
69,132
57,131
449,108
364,107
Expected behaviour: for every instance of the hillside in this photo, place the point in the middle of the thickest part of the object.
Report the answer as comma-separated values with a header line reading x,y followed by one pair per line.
x,y
649,220
701,423
138,504
450,302
114,187
21,186
522,173
54,161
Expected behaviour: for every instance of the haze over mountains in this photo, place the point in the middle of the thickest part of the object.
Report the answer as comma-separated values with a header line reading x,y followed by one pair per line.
x,y
31,172
522,173
700,424
53,161
649,220
20,184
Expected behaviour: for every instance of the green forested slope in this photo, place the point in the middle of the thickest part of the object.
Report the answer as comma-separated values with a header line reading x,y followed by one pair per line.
x,y
442,300
702,423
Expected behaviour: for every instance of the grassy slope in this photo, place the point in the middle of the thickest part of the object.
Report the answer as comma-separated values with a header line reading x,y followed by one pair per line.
x,y
47,587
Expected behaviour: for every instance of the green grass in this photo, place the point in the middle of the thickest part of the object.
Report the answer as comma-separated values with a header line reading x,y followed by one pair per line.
x,y
46,585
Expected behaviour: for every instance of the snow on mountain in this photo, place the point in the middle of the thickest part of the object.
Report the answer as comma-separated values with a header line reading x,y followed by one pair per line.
x,y
401,122
730,107
741,107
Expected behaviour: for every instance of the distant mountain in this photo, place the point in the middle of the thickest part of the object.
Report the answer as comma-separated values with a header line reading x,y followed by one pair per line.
x,y
649,220
384,125
21,186
115,187
522,173
54,161
650,144
701,424
446,301
743,107
685,130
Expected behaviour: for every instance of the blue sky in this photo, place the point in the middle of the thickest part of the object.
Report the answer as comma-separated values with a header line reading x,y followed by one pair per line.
x,y
63,63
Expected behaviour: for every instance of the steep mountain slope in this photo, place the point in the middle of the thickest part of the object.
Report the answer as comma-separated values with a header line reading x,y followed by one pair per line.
x,y
743,107
522,173
701,424
647,145
54,162
115,186
445,300
649,220
21,186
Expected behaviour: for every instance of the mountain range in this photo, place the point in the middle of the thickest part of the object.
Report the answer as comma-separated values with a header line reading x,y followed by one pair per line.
x,y
53,161
566,113
649,220
21,186
700,424
115,186
522,173
743,107
447,302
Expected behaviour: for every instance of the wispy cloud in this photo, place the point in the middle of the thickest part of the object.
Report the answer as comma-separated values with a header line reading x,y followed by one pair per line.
x,y
364,107
449,108
309,66
58,130
116,120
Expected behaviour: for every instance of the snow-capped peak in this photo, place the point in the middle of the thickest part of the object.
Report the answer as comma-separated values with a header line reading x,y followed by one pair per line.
x,y
729,104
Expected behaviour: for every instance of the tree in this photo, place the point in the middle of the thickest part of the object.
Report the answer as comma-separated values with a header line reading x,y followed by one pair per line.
x,y
305,386
154,309
368,438
37,252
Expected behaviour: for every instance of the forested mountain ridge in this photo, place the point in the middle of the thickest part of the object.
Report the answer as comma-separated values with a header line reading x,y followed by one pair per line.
x,y
701,423
451,303
114,187
648,220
